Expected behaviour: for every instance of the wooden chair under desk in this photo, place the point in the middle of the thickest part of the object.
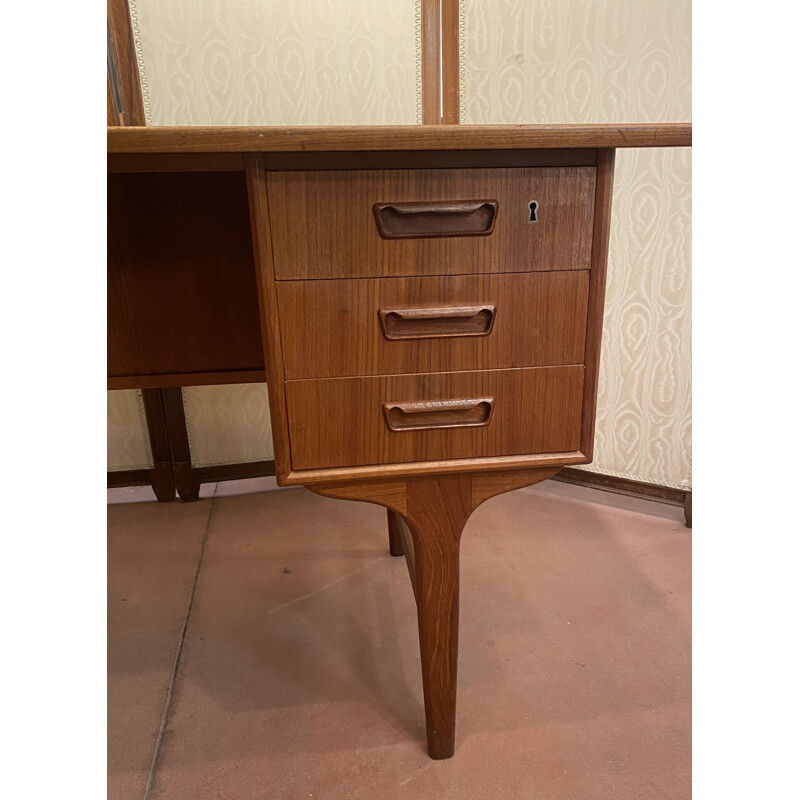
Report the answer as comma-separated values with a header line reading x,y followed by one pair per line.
x,y
426,303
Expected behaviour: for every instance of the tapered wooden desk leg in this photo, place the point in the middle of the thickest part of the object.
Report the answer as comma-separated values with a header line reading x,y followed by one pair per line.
x,y
435,509
395,536
438,509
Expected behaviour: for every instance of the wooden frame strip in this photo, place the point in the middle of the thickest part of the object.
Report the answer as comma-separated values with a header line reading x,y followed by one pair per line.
x,y
604,189
450,65
123,55
162,478
256,178
186,483
185,379
431,63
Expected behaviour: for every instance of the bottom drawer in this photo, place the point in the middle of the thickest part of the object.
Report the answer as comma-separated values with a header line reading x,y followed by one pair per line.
x,y
348,422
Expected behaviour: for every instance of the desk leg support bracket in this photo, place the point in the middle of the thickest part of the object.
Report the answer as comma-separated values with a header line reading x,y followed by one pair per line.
x,y
427,515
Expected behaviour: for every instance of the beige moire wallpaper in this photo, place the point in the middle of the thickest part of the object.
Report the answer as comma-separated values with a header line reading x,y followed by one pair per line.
x,y
522,61
605,61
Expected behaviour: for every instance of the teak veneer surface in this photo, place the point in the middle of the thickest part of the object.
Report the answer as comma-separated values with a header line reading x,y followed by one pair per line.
x,y
339,422
393,137
308,210
182,294
539,320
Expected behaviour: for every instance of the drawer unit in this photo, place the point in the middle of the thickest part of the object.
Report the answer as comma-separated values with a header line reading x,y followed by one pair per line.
x,y
387,326
389,223
344,422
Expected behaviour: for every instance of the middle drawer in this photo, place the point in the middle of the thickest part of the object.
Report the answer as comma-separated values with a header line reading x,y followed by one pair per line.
x,y
389,326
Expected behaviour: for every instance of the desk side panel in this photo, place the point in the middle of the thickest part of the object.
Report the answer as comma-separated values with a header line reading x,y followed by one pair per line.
x,y
181,277
268,309
601,230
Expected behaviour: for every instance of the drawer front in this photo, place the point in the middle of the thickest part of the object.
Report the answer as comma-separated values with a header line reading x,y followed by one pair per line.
x,y
344,422
385,223
389,326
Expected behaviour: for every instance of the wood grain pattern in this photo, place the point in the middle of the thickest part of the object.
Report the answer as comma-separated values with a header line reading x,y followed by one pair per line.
x,y
181,284
436,323
316,161
162,478
384,472
309,209
406,541
486,485
111,112
186,483
165,379
540,321
438,509
597,292
394,522
438,414
451,89
435,219
126,71
427,515
339,422
175,162
218,139
268,311
431,51
389,493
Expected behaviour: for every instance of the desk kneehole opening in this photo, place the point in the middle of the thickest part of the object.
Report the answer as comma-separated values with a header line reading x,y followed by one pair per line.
x,y
434,414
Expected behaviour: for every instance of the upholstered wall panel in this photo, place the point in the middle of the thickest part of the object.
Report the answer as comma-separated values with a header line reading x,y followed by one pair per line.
x,y
127,440
228,424
580,61
278,62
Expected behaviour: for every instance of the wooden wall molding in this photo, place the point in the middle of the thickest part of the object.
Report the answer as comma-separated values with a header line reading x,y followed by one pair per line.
x,y
123,57
440,62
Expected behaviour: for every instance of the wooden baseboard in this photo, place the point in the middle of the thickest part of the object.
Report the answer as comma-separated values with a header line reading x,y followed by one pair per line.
x,y
612,483
235,472
223,472
128,477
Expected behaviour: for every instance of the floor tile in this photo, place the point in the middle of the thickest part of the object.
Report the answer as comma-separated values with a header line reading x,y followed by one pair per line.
x,y
300,671
153,551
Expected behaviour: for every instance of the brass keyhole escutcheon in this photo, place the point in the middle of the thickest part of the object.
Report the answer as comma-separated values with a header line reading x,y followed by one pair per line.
x,y
533,208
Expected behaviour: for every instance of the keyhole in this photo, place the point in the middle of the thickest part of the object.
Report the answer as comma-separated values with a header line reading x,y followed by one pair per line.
x,y
534,207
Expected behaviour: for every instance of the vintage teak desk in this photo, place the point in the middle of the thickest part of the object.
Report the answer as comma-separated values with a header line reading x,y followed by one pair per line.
x,y
425,303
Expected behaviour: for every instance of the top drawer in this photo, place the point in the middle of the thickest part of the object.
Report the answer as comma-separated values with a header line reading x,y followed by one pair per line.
x,y
385,223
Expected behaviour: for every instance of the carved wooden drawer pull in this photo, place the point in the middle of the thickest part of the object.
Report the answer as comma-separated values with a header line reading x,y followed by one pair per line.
x,y
438,414
435,219
430,323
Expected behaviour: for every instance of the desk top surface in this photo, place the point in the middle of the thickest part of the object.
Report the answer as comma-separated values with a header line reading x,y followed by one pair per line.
x,y
393,137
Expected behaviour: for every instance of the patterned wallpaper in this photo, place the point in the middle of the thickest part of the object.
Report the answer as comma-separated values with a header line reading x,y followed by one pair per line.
x,y
228,424
354,61
249,62
128,446
580,61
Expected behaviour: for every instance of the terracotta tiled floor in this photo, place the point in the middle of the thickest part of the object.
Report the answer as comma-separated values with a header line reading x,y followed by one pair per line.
x,y
298,674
